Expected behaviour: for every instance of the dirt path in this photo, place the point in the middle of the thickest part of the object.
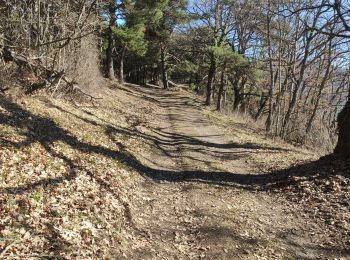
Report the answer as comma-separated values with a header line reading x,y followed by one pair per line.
x,y
197,201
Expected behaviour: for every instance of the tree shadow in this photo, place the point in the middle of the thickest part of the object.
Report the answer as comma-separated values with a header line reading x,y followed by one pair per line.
x,y
43,130
46,132
314,172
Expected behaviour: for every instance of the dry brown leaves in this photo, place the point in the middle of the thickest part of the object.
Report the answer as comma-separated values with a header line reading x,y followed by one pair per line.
x,y
64,192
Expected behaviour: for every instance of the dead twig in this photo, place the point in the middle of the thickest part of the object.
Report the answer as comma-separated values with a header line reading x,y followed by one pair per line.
x,y
8,247
45,75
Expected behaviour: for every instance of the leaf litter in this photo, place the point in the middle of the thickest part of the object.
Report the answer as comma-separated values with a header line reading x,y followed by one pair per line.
x,y
69,190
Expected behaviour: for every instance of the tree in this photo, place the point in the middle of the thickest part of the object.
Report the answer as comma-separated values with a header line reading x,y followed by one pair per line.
x,y
284,62
162,17
217,15
112,9
129,39
336,15
43,38
343,145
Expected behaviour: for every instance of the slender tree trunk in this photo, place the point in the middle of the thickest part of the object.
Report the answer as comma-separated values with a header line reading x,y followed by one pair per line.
x,y
263,102
225,97
319,94
110,48
144,75
272,78
300,81
211,76
164,69
313,115
243,96
237,94
221,89
295,94
121,66
279,78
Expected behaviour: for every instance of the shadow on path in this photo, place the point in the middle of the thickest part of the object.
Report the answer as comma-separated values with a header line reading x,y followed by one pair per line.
x,y
38,129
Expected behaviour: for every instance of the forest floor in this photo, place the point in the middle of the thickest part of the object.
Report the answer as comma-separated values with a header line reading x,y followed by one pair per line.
x,y
152,174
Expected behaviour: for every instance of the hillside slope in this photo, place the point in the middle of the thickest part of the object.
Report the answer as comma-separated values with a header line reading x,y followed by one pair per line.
x,y
149,174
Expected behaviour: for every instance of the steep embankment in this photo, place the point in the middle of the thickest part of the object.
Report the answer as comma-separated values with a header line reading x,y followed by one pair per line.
x,y
149,174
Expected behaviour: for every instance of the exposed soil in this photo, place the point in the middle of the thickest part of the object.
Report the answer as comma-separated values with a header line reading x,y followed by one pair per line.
x,y
151,174
202,195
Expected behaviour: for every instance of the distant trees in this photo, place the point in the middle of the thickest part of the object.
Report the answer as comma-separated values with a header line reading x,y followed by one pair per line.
x,y
335,24
129,38
163,17
339,23
288,62
143,33
283,62
217,16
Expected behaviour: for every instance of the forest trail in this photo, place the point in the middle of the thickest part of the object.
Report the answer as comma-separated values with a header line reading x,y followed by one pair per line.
x,y
199,198
151,174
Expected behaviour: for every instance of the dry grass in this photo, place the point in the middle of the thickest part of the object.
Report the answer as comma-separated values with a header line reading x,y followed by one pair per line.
x,y
250,132
320,140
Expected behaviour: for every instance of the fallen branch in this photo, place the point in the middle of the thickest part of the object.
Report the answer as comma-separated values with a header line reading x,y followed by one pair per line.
x,y
7,248
46,78
56,87
172,84
76,88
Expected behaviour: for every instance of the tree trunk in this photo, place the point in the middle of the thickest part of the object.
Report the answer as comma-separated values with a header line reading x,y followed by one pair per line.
x,y
272,78
263,102
343,146
300,81
211,76
272,105
121,66
110,48
237,95
243,101
221,89
164,70
319,94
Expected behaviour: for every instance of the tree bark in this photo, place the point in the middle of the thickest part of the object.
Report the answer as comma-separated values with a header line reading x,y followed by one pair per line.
x,y
343,146
237,94
164,69
319,94
263,101
121,66
211,76
221,89
272,78
112,21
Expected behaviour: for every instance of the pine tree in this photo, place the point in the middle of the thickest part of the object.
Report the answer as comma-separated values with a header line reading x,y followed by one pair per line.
x,y
162,18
